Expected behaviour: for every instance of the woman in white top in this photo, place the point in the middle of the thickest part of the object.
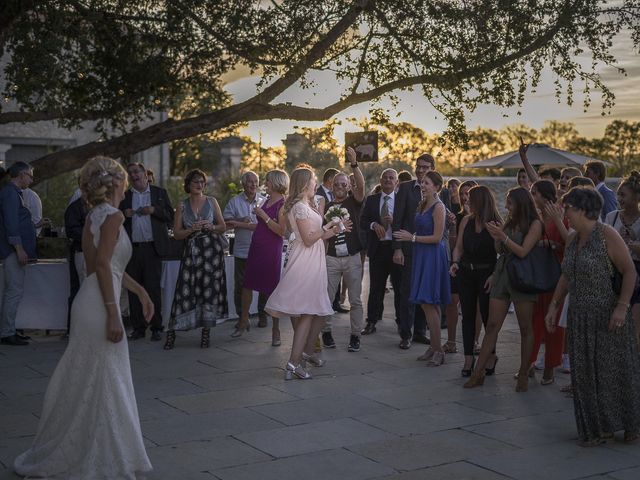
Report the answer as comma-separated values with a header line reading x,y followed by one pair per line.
x,y
627,223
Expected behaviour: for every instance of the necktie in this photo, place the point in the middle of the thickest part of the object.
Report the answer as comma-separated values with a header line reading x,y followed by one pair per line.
x,y
385,211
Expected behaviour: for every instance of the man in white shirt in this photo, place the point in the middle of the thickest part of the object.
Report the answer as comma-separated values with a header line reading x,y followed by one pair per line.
x,y
147,211
239,215
376,220
34,204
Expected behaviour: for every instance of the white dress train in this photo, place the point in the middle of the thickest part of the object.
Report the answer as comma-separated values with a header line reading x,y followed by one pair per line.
x,y
89,427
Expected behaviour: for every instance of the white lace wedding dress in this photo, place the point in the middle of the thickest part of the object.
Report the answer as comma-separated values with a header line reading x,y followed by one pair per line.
x,y
89,428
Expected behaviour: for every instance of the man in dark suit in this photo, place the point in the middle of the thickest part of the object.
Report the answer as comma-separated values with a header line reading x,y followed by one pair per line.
x,y
147,210
406,205
325,189
376,220
597,172
74,219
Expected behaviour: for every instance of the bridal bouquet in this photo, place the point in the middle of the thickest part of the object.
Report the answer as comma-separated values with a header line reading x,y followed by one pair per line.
x,y
337,213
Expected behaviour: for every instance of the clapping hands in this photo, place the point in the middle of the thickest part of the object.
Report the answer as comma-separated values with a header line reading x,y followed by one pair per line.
x,y
495,230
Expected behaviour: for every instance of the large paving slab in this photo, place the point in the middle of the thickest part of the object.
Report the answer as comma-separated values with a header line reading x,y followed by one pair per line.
x,y
313,437
226,412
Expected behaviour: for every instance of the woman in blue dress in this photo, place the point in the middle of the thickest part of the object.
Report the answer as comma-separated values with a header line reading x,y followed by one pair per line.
x,y
430,283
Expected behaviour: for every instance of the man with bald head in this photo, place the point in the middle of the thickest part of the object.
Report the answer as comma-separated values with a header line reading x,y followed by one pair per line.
x,y
239,215
376,220
343,253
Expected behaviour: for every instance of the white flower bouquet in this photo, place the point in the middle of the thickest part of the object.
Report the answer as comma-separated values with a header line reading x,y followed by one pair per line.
x,y
337,214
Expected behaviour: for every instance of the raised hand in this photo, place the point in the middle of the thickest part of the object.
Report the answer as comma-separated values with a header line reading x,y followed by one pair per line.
x,y
522,150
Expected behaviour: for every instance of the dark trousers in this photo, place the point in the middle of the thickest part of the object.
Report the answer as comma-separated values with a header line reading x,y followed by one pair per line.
x,y
145,267
239,267
411,315
74,284
472,292
381,266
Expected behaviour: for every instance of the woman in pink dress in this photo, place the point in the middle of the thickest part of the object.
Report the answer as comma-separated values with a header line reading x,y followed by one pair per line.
x,y
264,262
302,291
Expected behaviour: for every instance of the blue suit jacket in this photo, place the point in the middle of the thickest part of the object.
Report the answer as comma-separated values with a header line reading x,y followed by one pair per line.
x,y
610,201
16,227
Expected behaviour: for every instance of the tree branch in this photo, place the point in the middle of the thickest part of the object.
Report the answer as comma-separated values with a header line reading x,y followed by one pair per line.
x,y
256,109
315,53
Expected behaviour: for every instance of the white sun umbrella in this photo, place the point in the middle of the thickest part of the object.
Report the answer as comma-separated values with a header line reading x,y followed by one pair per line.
x,y
538,154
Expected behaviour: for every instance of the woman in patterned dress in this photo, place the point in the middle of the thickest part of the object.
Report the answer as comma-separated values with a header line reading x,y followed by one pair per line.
x,y
201,291
605,367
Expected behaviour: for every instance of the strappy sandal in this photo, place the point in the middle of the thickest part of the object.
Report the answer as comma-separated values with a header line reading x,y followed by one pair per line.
x,y
204,338
631,437
171,339
426,356
522,385
450,347
436,360
592,443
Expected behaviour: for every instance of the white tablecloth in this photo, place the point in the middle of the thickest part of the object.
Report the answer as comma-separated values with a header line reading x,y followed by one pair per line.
x,y
170,271
46,295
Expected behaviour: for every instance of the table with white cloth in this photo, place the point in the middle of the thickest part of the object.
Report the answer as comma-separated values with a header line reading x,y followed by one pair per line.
x,y
170,272
46,296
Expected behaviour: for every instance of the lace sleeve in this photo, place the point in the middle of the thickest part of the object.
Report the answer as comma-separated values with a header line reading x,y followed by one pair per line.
x,y
97,216
301,211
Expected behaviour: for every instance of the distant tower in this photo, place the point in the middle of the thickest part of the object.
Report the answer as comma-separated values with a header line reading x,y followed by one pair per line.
x,y
230,156
297,146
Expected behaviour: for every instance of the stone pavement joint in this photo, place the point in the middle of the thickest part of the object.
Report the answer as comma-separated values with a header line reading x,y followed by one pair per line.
x,y
226,413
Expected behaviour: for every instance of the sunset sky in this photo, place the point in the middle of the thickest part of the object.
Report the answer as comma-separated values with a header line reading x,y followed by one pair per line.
x,y
413,108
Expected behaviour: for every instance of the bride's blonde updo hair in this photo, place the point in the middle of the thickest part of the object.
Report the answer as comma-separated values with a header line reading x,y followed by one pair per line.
x,y
97,179
298,182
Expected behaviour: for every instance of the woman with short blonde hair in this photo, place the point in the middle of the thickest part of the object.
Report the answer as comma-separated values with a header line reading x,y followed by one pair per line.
x,y
264,260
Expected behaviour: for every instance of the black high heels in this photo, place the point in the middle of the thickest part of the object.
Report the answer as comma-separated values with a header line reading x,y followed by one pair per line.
x,y
466,372
492,370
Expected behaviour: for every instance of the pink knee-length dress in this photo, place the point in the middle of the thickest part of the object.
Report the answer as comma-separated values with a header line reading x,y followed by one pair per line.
x,y
303,286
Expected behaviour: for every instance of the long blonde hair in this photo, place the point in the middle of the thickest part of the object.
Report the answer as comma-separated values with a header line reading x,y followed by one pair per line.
x,y
299,180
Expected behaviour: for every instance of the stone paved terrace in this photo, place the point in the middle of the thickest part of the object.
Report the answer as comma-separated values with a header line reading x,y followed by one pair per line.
x,y
226,413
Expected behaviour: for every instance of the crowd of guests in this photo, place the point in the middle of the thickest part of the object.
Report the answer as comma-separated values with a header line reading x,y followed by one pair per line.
x,y
443,246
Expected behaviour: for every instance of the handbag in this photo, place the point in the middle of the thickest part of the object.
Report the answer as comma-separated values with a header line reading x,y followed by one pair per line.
x,y
616,276
538,272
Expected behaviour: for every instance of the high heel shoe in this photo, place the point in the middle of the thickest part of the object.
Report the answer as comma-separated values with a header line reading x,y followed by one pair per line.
x,y
466,372
292,370
204,337
275,337
313,360
239,331
522,385
492,370
426,356
476,380
531,373
436,360
171,339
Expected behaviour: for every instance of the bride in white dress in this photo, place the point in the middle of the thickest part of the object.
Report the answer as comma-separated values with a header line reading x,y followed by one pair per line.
x,y
89,427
